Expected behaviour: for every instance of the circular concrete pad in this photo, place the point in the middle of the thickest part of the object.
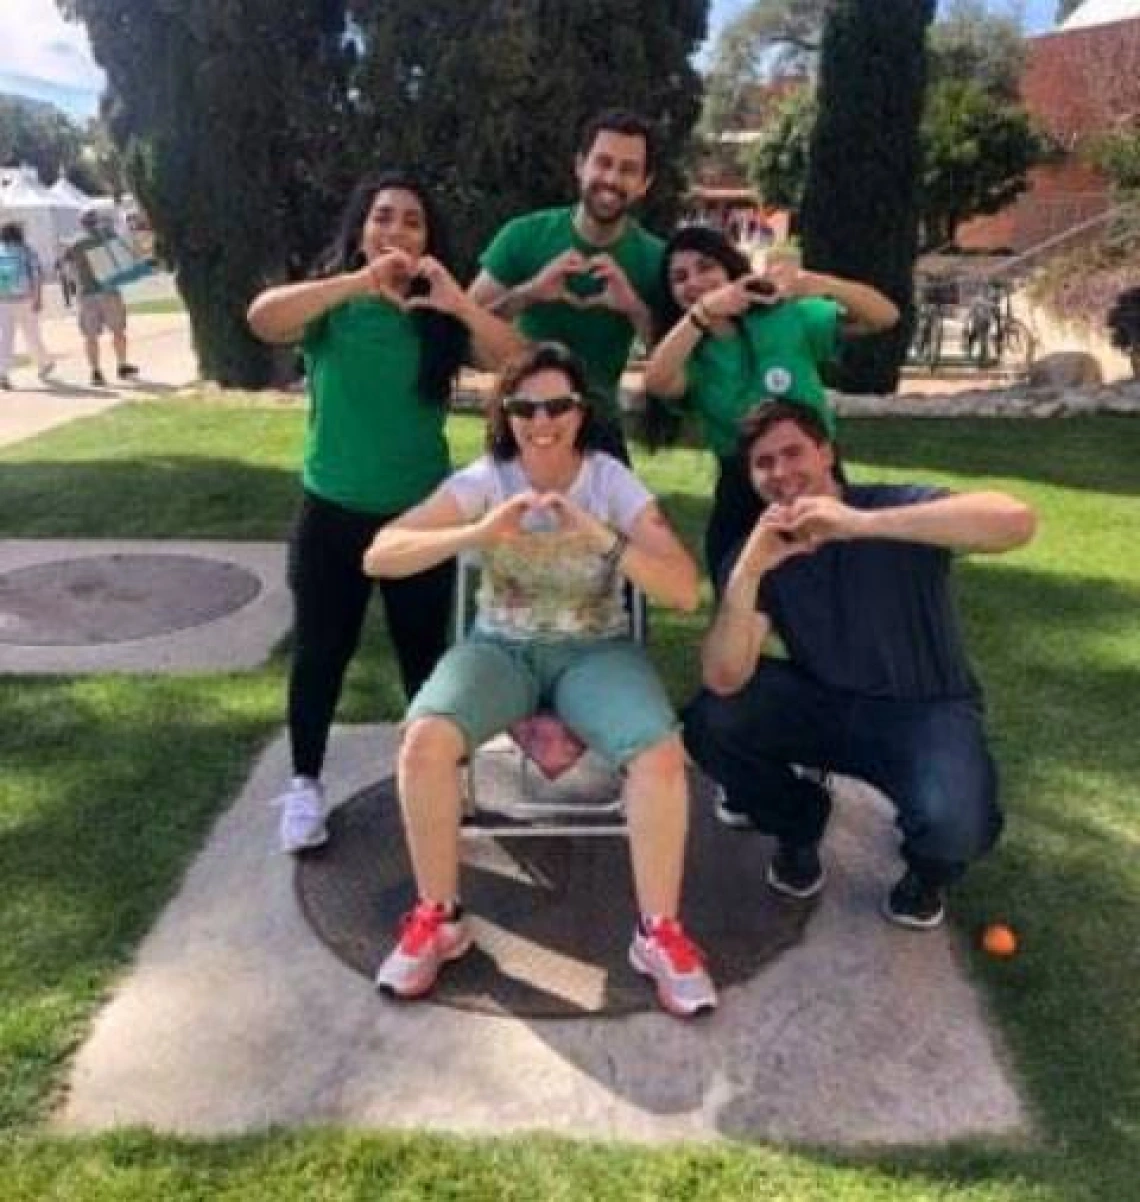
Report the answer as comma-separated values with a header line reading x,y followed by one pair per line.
x,y
552,917
118,598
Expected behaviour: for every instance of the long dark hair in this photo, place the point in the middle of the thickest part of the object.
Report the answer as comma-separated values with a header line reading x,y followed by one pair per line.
x,y
443,338
543,356
660,424
701,240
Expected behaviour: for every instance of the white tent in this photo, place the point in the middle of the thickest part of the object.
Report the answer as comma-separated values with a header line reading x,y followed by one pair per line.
x,y
64,189
48,220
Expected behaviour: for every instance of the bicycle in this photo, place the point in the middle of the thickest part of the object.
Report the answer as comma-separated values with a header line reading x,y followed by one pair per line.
x,y
929,323
991,335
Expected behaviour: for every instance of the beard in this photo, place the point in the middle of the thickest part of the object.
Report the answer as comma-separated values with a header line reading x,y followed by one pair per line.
x,y
608,211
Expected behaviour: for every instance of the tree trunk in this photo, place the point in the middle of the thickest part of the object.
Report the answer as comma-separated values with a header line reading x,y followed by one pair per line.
x,y
227,351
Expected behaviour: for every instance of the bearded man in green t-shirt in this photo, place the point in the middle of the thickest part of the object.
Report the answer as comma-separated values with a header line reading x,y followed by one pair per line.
x,y
587,274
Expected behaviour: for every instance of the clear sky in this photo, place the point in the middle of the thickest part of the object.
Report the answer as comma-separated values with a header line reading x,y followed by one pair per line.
x,y
47,58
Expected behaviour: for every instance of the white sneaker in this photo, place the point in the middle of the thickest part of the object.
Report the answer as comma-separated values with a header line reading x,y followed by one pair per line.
x,y
302,815
48,370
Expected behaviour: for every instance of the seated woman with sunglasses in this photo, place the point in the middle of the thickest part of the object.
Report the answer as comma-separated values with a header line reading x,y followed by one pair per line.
x,y
559,525
731,338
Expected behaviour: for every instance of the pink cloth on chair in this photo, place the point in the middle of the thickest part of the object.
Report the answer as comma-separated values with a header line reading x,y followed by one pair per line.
x,y
548,743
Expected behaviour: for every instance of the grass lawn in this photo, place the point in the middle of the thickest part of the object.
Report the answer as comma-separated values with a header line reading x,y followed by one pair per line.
x,y
171,304
110,784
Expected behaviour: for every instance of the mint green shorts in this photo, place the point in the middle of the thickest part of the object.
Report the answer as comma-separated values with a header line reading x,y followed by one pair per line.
x,y
605,690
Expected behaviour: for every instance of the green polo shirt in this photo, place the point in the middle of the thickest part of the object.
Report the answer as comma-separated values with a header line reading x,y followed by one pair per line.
x,y
372,443
600,337
778,356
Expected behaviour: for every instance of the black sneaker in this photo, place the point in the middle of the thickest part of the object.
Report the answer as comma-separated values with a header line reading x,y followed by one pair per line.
x,y
727,815
915,903
98,379
796,871
128,372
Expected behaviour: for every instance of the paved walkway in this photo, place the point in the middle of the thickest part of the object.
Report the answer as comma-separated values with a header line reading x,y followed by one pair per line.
x,y
159,345
236,1018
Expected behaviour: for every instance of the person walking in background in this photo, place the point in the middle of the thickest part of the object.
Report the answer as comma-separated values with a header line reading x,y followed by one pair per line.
x,y
383,328
21,301
100,307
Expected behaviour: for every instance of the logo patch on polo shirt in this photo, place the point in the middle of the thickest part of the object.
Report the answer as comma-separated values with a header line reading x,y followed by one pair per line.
x,y
777,380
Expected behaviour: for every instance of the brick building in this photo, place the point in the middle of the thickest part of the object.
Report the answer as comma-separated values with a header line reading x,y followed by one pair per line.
x,y
1081,80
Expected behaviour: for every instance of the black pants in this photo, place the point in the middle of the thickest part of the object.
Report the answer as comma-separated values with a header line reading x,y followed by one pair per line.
x,y
330,595
929,757
735,509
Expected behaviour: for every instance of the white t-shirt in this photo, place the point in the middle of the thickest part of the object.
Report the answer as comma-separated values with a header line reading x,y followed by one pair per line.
x,y
550,584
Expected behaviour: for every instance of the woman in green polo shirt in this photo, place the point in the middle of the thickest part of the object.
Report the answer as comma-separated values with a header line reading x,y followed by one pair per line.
x,y
383,327
732,338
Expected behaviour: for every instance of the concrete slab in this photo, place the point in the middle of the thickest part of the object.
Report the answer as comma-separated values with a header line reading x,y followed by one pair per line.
x,y
236,1018
243,638
160,344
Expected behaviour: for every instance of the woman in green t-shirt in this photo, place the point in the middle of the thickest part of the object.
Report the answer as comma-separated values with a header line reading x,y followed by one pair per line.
x,y
732,338
383,327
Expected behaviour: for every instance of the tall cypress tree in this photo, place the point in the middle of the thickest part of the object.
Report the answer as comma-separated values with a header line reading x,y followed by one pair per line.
x,y
860,213
231,115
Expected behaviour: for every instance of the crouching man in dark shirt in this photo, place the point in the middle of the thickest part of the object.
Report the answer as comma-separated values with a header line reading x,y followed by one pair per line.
x,y
854,579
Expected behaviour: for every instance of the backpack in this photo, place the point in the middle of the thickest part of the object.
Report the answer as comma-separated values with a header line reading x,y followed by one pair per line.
x,y
15,272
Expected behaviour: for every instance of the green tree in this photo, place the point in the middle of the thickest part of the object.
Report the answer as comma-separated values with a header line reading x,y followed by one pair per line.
x,y
486,101
767,39
777,163
972,42
231,119
861,201
1065,8
976,150
37,135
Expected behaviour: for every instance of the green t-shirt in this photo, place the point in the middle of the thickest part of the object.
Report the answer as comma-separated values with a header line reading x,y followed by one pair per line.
x,y
372,444
777,357
600,337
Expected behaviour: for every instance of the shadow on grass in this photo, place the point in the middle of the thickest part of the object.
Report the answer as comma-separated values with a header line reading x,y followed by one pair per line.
x,y
146,496
1095,453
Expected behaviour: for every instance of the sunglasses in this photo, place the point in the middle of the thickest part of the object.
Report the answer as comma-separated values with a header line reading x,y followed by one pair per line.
x,y
525,408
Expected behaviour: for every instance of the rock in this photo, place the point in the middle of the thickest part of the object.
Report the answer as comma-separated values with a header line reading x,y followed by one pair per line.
x,y
1065,369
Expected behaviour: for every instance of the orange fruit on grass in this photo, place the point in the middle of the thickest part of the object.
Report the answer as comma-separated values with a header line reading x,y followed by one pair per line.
x,y
999,939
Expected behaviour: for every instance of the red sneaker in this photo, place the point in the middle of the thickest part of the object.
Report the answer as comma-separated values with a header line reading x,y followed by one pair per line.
x,y
429,937
661,950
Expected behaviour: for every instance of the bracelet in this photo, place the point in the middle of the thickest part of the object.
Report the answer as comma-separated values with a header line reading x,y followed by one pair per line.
x,y
700,320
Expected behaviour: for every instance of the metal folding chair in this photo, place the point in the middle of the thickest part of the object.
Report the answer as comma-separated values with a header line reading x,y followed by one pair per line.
x,y
512,790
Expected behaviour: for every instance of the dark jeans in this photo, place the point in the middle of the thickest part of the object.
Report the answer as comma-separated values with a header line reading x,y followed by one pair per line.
x,y
929,757
330,595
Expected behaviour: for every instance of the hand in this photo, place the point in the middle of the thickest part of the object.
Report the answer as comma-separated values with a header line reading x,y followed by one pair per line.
x,y
823,519
506,522
792,281
728,301
550,285
386,277
443,293
572,517
617,294
771,543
